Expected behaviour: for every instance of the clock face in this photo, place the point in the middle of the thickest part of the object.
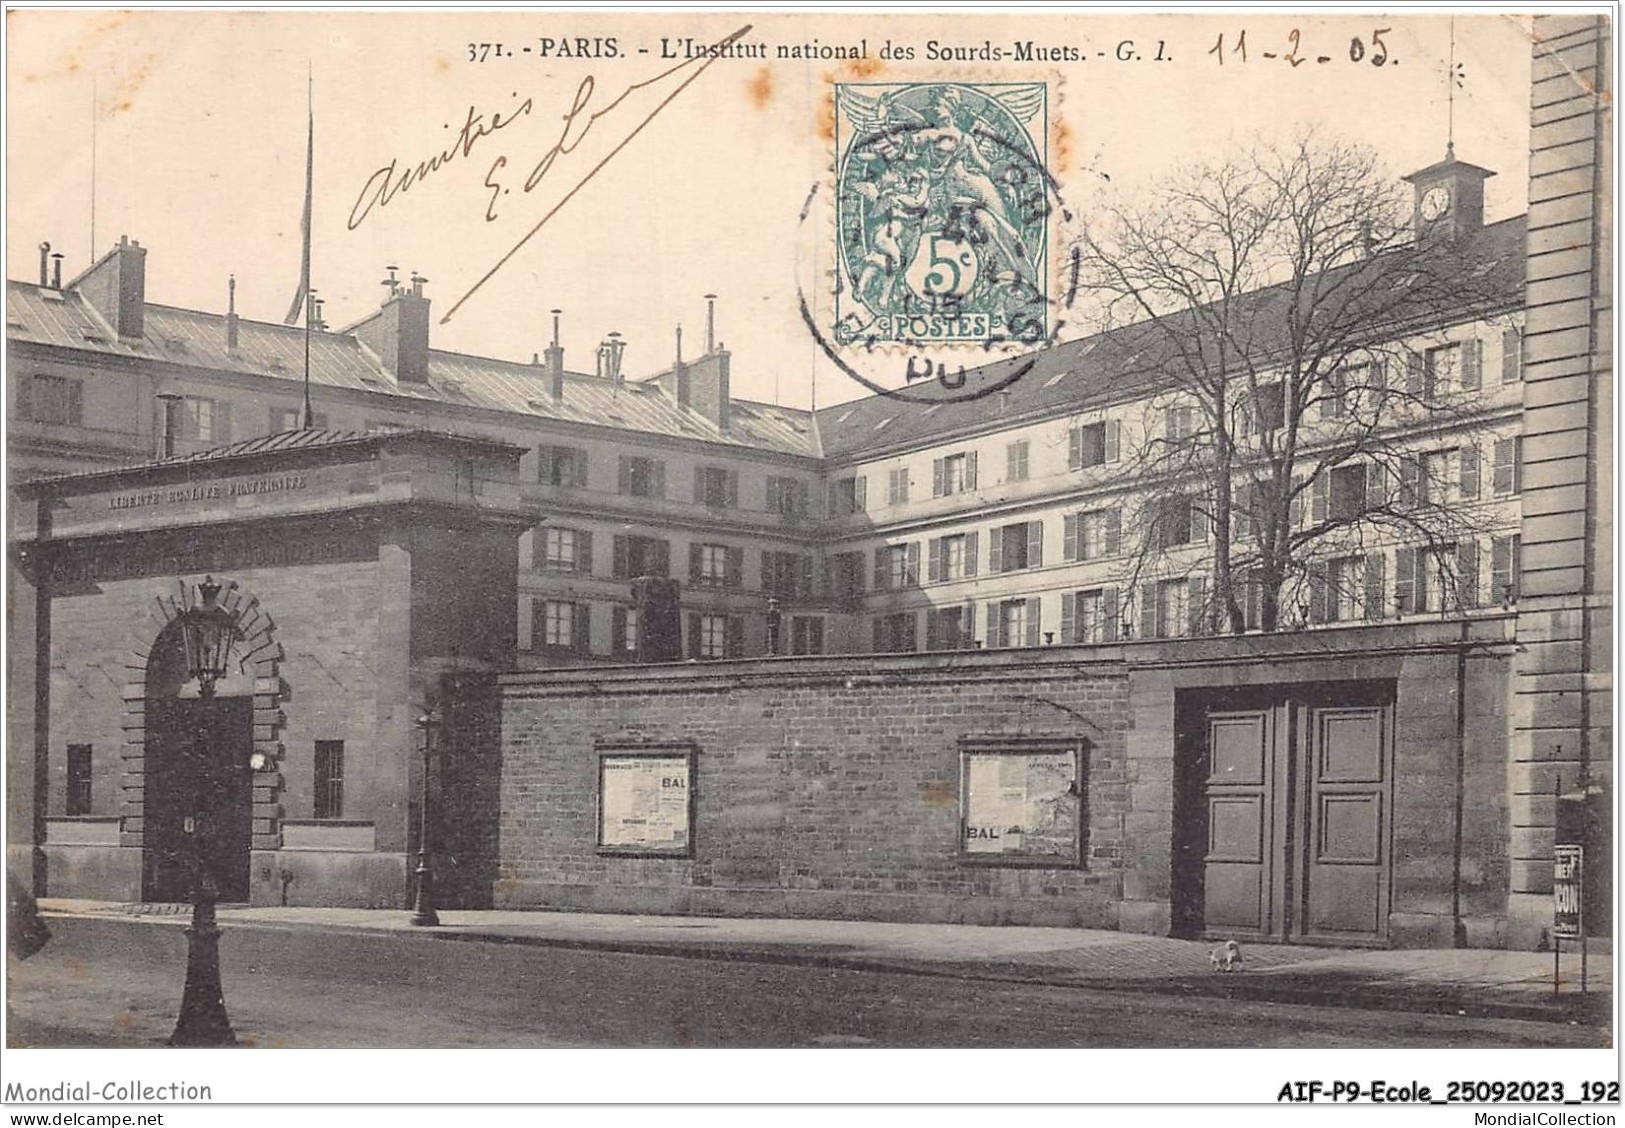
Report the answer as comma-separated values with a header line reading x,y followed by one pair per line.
x,y
1435,202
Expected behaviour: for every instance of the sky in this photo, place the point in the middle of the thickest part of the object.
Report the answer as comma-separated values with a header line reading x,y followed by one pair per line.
x,y
199,122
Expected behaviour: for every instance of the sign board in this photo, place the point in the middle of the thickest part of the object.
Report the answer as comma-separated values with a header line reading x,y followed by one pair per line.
x,y
1568,881
1021,805
643,802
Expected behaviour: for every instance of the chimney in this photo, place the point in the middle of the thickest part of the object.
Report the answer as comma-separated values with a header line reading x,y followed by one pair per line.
x,y
116,287
703,385
609,359
555,362
44,264
56,271
231,313
398,334
710,324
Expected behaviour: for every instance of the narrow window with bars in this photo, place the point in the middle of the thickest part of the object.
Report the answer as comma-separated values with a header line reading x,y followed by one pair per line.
x,y
329,802
79,773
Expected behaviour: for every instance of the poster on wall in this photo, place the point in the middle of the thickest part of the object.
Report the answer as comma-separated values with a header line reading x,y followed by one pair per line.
x,y
644,803
1022,805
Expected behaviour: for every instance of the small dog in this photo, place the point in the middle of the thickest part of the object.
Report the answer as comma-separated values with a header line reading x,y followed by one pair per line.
x,y
1226,956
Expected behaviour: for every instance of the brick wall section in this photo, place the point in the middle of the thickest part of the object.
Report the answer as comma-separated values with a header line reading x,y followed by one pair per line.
x,y
1563,688
830,787
823,787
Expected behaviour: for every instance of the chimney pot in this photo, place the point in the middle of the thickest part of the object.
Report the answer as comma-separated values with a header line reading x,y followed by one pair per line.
x,y
44,264
231,312
555,361
710,324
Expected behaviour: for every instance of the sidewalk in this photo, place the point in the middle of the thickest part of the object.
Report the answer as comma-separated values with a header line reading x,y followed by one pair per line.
x,y
1476,982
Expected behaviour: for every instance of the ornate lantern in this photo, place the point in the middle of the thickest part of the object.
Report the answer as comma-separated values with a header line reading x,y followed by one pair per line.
x,y
208,631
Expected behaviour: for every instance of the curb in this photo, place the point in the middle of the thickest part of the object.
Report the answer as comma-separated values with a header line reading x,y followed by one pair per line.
x,y
1270,987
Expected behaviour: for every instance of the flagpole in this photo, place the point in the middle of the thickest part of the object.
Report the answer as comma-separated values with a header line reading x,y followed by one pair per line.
x,y
309,418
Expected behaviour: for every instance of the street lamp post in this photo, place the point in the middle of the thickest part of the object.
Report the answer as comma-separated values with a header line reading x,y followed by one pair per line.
x,y
207,631
423,914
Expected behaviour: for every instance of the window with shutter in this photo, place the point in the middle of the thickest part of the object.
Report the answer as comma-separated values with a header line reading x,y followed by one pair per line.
x,y
995,552
1035,544
1320,497
1069,537
1405,601
1069,613
1511,355
1375,586
971,541
1016,462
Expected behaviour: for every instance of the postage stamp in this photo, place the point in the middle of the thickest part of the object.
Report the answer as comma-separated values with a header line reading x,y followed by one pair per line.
x,y
942,213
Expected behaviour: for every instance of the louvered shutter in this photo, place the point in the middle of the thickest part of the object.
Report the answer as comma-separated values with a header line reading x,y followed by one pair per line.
x,y
1150,620
619,565
1376,589
617,630
695,554
933,560
995,551
1410,475
624,478
1472,364
581,628
1511,356
1405,561
971,540
1035,544
1414,366
1502,474
1504,569
736,636
578,468
913,578
939,477
882,577
860,501
699,486
584,552
995,626
733,490
1294,506
1035,610
970,471
735,568
660,478
1196,588
1112,440
1114,531
1322,496
1467,456
967,621
1069,537
1074,454
1376,485
1108,614
1319,593
1069,618
911,632
1467,574
693,634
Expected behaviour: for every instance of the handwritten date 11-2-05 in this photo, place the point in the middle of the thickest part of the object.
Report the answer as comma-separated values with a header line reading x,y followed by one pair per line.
x,y
1373,50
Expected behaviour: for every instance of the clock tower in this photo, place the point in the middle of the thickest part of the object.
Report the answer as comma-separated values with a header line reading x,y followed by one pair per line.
x,y
1449,198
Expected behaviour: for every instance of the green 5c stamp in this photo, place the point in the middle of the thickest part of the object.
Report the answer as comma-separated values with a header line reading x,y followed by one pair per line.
x,y
942,213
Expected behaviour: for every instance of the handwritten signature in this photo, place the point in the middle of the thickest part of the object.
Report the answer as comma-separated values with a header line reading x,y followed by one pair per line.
x,y
388,182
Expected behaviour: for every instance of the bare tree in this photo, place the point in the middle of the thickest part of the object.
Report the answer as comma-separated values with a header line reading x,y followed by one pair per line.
x,y
1291,330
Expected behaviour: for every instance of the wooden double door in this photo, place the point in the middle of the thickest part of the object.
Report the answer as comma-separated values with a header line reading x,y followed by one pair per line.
x,y
1291,838
198,800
